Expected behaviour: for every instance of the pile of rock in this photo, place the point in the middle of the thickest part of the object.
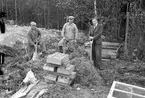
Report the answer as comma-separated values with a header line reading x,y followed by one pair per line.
x,y
59,69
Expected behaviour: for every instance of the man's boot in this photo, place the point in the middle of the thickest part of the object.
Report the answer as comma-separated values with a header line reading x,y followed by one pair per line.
x,y
60,49
97,65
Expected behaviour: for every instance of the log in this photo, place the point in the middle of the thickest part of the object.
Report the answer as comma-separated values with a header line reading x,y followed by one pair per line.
x,y
110,44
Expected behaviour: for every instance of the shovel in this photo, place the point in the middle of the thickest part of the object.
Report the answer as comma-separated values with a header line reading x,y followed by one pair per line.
x,y
35,55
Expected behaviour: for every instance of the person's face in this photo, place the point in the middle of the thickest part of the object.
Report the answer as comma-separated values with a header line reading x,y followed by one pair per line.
x,y
94,21
33,26
71,20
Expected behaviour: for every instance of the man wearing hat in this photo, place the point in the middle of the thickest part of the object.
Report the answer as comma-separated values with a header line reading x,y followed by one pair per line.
x,y
69,34
95,34
34,36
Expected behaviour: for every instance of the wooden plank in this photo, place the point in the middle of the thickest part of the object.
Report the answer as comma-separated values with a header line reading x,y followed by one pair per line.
x,y
41,93
66,70
23,91
106,60
110,44
108,57
109,52
37,89
58,58
60,74
109,48
19,93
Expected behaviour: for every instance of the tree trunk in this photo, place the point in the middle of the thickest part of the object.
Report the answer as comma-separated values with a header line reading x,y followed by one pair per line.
x,y
48,15
127,28
16,11
44,19
95,8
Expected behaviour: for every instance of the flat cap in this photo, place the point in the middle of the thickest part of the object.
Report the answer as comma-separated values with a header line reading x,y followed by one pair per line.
x,y
71,17
33,23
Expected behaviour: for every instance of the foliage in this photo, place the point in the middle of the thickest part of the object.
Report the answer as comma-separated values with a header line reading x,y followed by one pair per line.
x,y
86,73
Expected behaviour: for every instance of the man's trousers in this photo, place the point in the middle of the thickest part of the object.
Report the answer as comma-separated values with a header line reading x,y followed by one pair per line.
x,y
97,54
67,44
31,49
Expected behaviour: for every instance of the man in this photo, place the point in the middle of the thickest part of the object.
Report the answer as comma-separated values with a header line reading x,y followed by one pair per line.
x,y
95,33
69,34
2,23
2,29
34,37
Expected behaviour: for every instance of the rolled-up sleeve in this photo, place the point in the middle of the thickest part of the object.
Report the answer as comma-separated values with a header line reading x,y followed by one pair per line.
x,y
63,30
29,37
76,32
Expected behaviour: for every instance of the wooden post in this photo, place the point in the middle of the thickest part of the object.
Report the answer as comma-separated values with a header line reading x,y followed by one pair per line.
x,y
127,28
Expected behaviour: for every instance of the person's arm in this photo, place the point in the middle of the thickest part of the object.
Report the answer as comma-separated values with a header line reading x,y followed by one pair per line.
x,y
63,30
90,34
30,38
98,33
76,32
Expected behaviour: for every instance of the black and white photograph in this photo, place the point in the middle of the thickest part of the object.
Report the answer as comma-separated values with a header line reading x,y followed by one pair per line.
x,y
72,48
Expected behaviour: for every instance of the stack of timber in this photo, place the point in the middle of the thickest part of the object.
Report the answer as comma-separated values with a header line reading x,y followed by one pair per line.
x,y
58,69
109,50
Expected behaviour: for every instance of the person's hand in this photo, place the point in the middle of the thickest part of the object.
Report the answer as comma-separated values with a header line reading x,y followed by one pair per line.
x,y
75,41
91,38
65,37
103,37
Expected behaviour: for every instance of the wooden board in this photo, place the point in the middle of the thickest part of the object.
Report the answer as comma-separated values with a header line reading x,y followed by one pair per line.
x,y
61,74
110,44
109,47
123,90
66,70
60,83
23,91
58,58
37,89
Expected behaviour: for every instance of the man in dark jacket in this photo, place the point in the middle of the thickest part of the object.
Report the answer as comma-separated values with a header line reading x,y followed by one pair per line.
x,y
2,30
96,33
2,23
34,36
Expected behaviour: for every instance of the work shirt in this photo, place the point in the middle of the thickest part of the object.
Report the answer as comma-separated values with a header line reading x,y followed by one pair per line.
x,y
70,31
33,35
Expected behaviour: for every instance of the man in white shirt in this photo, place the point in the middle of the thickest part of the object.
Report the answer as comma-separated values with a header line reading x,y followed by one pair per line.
x,y
69,34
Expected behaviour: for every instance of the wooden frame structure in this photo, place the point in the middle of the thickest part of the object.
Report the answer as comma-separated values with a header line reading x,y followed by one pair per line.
x,y
131,91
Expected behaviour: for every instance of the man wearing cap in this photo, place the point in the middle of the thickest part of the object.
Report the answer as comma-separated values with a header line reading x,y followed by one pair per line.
x,y
34,36
69,34
95,34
